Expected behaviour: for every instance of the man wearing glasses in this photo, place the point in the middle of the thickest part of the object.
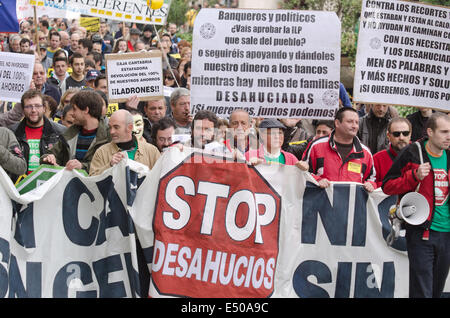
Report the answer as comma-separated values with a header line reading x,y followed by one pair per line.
x,y
162,132
39,83
35,133
399,135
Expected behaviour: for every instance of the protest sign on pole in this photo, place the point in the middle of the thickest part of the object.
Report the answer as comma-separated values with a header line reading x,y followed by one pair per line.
x,y
134,11
16,71
274,63
403,55
131,74
92,24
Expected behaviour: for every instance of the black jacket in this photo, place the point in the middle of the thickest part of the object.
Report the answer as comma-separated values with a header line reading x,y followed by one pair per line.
x,y
373,131
148,130
402,178
50,136
418,123
53,91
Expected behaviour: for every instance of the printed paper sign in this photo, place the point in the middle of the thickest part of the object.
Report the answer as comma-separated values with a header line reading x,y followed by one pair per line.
x,y
16,71
273,63
91,24
403,55
134,74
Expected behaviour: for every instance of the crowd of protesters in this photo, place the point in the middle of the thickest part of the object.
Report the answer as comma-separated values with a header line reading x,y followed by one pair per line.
x,y
65,119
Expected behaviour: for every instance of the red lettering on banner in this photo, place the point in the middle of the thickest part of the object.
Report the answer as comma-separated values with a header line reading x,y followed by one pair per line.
x,y
440,186
216,232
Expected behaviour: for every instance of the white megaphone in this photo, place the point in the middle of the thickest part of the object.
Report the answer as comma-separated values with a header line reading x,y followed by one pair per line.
x,y
413,208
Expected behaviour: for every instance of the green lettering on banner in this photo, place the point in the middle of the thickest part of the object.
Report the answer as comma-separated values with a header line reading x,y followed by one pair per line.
x,y
39,176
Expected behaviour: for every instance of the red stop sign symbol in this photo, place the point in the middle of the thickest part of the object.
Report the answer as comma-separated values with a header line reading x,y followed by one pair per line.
x,y
216,231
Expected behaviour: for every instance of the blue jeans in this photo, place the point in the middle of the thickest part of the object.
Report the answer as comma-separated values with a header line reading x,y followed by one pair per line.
x,y
429,262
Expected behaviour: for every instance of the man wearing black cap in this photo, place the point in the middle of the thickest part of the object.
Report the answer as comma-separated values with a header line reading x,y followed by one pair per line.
x,y
134,37
147,36
45,61
98,45
91,75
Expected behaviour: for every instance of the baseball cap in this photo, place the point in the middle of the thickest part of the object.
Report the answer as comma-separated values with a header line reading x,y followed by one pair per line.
x,y
92,75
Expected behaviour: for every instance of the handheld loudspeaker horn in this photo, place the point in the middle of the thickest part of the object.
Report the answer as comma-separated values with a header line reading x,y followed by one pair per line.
x,y
413,208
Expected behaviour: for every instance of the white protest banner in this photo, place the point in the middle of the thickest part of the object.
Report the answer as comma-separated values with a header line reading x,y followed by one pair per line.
x,y
70,237
131,74
207,230
136,11
16,71
232,230
274,63
403,55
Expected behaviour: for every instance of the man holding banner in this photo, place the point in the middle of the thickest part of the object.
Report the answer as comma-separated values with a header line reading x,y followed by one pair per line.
x,y
123,144
341,156
36,134
77,145
428,244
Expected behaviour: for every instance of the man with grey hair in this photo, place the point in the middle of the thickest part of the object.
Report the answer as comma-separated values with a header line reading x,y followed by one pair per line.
x,y
241,135
65,40
123,143
181,107
14,43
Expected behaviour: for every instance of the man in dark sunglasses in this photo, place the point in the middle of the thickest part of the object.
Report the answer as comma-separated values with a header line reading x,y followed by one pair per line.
x,y
399,136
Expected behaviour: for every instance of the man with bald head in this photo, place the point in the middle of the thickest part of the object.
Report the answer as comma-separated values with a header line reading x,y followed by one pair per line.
x,y
123,143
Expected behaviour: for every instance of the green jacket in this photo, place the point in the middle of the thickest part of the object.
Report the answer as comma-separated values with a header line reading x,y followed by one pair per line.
x,y
64,150
11,157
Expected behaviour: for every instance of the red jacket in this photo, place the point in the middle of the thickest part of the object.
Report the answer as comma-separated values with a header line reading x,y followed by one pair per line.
x,y
402,178
326,163
382,161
